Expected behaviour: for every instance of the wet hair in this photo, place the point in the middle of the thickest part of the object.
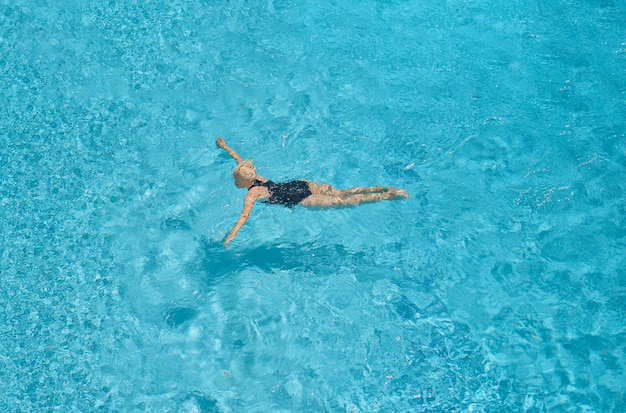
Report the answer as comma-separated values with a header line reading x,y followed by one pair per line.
x,y
245,169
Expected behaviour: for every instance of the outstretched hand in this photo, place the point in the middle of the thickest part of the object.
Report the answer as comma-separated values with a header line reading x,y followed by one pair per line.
x,y
229,238
220,142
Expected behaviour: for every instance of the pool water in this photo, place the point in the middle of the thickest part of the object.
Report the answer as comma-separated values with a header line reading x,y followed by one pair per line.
x,y
499,285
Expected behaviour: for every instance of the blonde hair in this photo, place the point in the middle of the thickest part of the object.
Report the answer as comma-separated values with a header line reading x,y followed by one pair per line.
x,y
245,169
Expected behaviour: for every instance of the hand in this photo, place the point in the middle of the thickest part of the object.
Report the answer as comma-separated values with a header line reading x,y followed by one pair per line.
x,y
227,241
220,142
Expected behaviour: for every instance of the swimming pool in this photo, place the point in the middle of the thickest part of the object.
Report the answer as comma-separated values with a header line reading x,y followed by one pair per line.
x,y
499,285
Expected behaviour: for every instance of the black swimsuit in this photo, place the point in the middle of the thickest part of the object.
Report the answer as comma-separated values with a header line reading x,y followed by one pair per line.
x,y
284,193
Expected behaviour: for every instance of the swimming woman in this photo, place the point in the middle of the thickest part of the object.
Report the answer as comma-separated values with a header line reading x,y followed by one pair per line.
x,y
299,192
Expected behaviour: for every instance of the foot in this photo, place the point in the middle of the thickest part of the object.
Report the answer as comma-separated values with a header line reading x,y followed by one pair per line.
x,y
396,193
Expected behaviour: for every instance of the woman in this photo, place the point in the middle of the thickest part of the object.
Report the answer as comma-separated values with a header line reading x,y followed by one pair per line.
x,y
299,192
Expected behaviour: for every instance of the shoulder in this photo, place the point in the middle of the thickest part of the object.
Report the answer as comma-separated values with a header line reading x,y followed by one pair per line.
x,y
257,193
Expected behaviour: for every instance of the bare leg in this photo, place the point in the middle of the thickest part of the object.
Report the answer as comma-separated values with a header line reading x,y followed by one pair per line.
x,y
325,189
338,201
363,190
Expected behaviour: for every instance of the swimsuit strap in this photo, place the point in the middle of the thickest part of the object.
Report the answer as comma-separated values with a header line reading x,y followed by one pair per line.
x,y
256,182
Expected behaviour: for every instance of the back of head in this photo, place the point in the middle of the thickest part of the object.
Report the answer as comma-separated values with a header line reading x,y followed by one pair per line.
x,y
245,170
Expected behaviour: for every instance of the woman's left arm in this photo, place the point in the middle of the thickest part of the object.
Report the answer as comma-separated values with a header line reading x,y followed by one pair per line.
x,y
248,203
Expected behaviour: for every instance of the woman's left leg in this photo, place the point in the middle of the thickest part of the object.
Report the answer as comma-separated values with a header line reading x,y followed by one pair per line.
x,y
363,190
325,189
338,201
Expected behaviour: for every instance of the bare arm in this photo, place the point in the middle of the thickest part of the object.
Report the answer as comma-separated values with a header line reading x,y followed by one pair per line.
x,y
220,142
253,195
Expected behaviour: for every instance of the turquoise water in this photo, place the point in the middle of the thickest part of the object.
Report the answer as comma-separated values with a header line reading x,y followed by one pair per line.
x,y
500,285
